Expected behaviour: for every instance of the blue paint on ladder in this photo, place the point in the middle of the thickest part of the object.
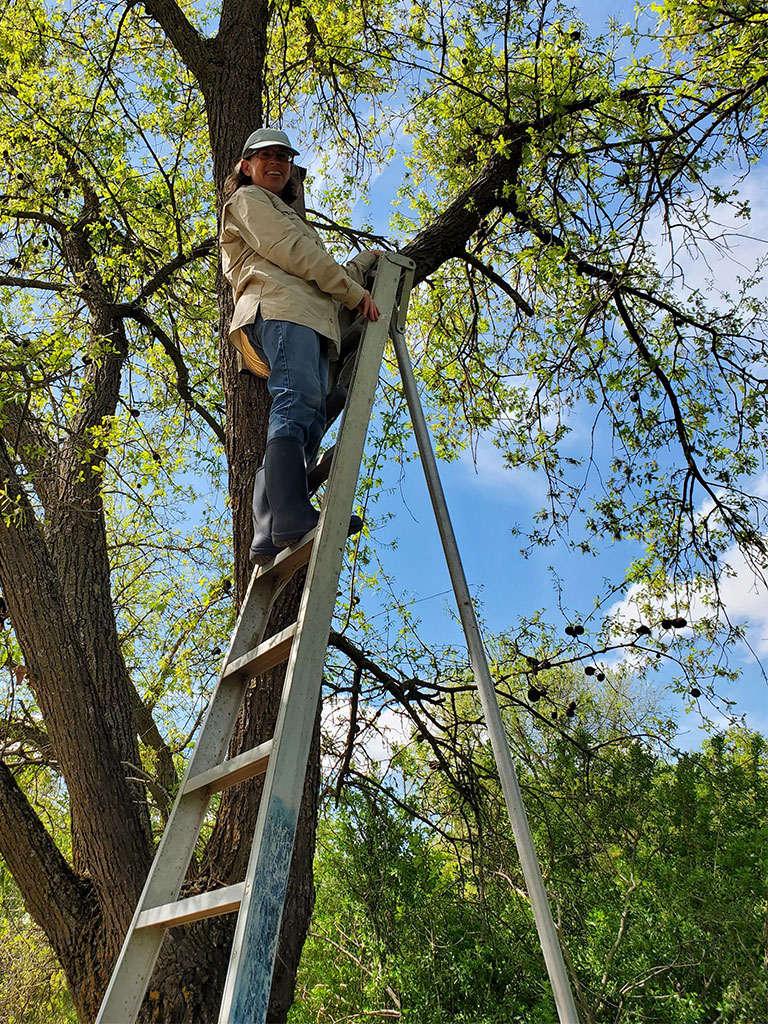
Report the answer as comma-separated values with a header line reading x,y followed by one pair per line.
x,y
262,927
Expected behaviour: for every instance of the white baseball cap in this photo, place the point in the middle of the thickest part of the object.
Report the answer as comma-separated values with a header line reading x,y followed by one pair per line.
x,y
264,137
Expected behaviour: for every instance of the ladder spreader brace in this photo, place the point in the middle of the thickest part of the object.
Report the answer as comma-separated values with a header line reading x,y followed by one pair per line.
x,y
259,898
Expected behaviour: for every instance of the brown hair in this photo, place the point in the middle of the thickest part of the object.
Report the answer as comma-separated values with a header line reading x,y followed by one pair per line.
x,y
238,178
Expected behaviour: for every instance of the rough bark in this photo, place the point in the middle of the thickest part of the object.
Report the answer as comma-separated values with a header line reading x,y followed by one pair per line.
x,y
56,892
62,902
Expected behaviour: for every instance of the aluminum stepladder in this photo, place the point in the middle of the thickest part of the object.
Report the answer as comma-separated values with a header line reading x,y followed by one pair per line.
x,y
258,899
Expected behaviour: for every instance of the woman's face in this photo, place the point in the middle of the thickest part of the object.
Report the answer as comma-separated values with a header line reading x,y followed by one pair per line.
x,y
269,167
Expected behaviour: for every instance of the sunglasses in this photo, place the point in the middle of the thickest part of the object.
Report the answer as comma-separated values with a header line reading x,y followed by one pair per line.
x,y
282,155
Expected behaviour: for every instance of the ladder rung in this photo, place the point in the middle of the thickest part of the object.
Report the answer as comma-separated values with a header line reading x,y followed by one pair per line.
x,y
289,560
235,769
194,908
263,657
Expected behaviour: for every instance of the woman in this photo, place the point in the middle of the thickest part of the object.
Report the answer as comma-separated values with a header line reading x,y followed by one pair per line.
x,y
287,291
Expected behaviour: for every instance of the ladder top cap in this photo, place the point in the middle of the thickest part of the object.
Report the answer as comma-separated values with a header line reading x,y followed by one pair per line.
x,y
399,260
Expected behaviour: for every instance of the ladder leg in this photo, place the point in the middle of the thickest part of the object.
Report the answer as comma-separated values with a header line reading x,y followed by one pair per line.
x,y
529,861
136,961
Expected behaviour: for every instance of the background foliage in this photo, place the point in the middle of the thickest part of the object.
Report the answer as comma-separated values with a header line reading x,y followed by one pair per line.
x,y
656,866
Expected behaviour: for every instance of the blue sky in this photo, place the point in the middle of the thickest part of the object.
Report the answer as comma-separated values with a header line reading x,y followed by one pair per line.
x,y
486,499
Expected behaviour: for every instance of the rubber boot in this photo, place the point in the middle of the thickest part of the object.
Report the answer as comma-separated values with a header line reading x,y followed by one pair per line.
x,y
293,514
262,548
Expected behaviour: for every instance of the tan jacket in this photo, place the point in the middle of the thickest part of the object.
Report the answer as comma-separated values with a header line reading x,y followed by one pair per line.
x,y
277,263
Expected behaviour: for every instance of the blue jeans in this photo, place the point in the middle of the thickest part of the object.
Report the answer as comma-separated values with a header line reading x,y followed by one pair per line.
x,y
298,379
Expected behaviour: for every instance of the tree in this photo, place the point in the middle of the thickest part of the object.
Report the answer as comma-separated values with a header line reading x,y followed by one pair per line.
x,y
537,163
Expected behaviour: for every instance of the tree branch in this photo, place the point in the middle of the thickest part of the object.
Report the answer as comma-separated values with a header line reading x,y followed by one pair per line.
x,y
27,734
29,439
27,282
499,281
37,217
606,274
150,735
351,731
53,894
447,235
663,379
165,272
611,955
325,223
133,312
181,32
400,693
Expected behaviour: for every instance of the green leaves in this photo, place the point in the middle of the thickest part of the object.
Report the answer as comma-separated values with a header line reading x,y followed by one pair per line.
x,y
560,319
32,985
654,862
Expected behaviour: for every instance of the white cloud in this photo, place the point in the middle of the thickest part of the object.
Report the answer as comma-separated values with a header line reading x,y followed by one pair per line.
x,y
745,597
383,730
393,729
484,468
743,592
737,245
744,602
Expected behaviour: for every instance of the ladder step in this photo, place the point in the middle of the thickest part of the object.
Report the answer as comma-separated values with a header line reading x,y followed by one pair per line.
x,y
290,560
235,769
194,908
264,657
